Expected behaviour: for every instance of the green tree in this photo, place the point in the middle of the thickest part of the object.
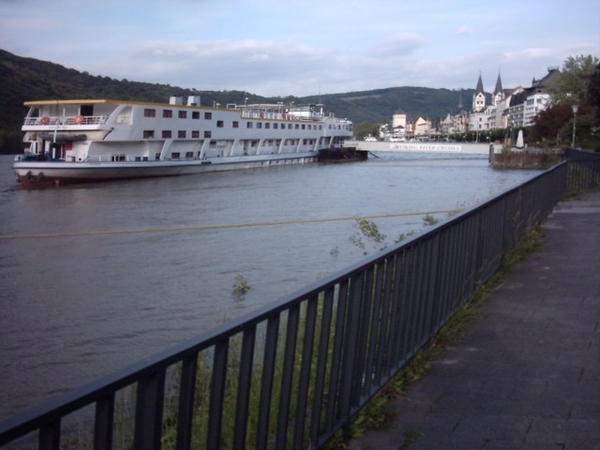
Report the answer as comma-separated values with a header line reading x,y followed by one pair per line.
x,y
594,91
364,129
573,84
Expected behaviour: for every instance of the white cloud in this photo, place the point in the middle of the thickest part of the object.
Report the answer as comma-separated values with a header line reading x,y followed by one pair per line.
x,y
302,46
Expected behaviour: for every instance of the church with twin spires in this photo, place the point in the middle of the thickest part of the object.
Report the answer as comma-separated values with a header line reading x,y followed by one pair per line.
x,y
504,108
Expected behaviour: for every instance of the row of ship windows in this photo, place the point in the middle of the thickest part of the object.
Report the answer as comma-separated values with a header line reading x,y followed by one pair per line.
x,y
168,113
195,134
190,155
182,134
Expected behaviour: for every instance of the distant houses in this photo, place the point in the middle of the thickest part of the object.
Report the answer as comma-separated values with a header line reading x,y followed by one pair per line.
x,y
503,109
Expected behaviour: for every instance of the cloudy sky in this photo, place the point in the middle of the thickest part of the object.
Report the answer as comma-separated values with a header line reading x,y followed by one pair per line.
x,y
303,47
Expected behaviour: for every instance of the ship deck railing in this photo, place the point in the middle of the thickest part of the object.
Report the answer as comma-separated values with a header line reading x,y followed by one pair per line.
x,y
60,121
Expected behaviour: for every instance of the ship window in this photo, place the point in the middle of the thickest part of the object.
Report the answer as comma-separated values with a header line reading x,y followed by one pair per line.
x,y
303,127
219,124
207,116
181,134
297,126
195,134
235,124
166,134
289,126
207,134
267,125
167,113
275,125
189,155
175,155
248,124
157,156
195,114
310,127
86,110
149,112
258,124
182,114
148,134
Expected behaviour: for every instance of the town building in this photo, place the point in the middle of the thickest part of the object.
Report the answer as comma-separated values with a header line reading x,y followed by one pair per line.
x,y
502,109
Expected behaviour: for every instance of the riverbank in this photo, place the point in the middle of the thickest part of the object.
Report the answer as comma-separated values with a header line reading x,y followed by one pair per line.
x,y
424,147
525,159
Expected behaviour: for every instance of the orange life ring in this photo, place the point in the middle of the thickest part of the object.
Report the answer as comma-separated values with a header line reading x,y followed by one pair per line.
x,y
78,120
45,120
262,115
283,116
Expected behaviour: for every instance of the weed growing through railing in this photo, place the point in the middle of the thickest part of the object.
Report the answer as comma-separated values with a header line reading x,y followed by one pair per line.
x,y
240,286
430,220
369,235
369,230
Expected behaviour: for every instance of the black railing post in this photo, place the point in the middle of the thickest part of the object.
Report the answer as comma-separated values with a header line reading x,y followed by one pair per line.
x,y
187,390
149,410
217,395
103,425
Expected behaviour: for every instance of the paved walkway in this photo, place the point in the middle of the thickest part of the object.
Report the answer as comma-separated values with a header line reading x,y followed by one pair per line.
x,y
527,375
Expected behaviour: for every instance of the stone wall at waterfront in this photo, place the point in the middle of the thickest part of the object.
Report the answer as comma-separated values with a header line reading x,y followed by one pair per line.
x,y
431,147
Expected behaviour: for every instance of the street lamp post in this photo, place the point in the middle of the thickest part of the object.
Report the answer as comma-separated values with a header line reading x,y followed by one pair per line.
x,y
575,108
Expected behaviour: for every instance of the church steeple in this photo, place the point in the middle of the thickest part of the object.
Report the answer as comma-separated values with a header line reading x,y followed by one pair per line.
x,y
498,92
479,96
498,89
479,88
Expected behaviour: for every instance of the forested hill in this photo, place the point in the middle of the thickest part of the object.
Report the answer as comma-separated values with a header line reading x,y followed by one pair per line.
x,y
23,79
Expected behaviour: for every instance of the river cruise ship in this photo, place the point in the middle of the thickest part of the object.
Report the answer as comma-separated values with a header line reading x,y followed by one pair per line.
x,y
71,141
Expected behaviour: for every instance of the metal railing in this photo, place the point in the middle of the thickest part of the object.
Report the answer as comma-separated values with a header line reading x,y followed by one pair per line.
x,y
584,170
292,374
54,121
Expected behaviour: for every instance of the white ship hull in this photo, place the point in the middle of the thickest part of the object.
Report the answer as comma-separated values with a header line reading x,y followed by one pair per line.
x,y
72,141
49,172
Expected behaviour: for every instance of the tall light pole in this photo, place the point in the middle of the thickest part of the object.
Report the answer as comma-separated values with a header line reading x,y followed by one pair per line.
x,y
575,108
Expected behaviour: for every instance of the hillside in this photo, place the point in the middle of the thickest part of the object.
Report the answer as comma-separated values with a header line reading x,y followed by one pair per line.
x,y
23,79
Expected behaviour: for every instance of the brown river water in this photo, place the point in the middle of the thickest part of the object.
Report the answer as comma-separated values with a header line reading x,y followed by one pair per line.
x,y
98,276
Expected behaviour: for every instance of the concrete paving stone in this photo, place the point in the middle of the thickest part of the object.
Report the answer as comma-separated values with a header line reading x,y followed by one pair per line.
x,y
574,434
493,428
567,372
546,407
476,403
585,410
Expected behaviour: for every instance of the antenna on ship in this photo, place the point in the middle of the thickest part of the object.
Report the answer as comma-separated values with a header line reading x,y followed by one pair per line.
x,y
319,103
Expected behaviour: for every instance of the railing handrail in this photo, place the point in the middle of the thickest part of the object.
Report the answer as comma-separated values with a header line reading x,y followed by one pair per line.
x,y
53,121
384,280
